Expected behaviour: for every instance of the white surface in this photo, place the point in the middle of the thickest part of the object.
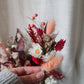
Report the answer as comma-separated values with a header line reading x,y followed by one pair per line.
x,y
69,18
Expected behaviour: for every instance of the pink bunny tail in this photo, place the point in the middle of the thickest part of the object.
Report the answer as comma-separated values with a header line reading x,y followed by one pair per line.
x,y
50,27
53,63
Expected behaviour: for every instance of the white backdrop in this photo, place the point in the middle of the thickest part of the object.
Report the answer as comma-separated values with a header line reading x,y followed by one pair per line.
x,y
69,17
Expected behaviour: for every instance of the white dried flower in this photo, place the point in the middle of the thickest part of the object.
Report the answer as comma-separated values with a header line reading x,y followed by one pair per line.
x,y
7,49
15,55
36,50
51,80
14,46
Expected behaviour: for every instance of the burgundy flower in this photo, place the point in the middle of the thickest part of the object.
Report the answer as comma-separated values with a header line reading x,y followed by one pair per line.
x,y
37,60
60,45
39,31
29,65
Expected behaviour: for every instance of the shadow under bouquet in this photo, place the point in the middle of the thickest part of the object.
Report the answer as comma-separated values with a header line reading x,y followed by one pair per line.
x,y
43,50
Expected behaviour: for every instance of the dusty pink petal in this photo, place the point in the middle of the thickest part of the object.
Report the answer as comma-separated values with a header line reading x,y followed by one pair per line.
x,y
50,27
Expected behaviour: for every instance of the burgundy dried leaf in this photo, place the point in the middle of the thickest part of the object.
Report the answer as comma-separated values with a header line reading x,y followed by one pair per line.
x,y
22,58
60,45
20,45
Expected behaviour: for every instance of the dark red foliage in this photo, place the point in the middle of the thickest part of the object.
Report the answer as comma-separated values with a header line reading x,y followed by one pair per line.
x,y
60,45
22,58
11,60
31,33
29,65
39,31
57,75
13,49
37,60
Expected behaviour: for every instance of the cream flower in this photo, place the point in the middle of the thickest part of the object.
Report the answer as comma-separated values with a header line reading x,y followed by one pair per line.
x,y
14,46
7,49
15,55
36,50
51,80
48,55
